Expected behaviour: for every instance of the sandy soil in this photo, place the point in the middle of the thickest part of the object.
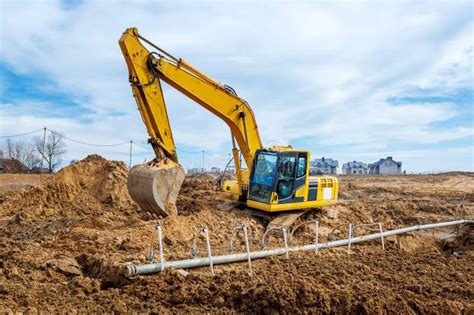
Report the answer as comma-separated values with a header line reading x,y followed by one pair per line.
x,y
18,181
63,243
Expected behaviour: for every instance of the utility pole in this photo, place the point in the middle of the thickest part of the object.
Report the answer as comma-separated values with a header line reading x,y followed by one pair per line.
x,y
130,164
43,153
203,161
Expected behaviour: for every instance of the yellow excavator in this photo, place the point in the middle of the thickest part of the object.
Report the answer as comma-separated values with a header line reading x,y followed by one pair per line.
x,y
275,179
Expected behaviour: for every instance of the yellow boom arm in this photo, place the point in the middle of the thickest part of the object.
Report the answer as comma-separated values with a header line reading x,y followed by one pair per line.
x,y
280,180
147,69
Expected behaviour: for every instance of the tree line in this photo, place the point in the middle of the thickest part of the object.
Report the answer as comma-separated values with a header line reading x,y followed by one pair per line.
x,y
50,149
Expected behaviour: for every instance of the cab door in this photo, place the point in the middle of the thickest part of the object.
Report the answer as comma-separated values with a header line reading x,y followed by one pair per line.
x,y
291,177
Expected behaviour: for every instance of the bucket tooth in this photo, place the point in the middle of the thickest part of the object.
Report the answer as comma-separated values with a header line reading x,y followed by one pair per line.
x,y
155,186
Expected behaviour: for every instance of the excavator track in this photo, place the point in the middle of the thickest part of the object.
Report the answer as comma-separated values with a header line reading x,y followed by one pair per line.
x,y
286,219
271,220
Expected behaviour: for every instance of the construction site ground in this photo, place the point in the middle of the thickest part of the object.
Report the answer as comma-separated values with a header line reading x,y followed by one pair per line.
x,y
64,240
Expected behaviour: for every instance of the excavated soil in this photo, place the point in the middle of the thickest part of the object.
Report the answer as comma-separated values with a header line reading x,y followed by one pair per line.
x,y
63,243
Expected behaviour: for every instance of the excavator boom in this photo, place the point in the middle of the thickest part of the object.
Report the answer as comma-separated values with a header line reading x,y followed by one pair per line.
x,y
155,186
275,179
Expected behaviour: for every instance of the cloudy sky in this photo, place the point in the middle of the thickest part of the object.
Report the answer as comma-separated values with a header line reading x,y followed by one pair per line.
x,y
348,80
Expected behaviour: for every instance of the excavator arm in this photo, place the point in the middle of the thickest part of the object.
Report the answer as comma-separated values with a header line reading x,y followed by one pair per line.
x,y
148,95
146,70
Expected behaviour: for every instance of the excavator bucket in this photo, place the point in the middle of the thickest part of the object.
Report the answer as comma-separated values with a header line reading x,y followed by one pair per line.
x,y
155,186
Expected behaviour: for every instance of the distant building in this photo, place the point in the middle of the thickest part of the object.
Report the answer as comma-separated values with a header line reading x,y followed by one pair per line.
x,y
196,170
323,166
215,170
12,166
355,168
230,169
385,166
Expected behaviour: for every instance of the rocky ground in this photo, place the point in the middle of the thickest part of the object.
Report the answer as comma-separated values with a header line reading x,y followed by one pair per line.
x,y
63,243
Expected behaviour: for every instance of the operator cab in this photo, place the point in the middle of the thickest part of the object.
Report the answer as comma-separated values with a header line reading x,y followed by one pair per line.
x,y
280,181
277,176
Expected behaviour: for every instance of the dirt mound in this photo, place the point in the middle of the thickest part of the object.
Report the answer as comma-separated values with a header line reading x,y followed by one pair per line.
x,y
76,187
197,193
63,243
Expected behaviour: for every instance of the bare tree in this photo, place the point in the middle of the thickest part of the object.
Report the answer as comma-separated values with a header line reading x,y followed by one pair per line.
x,y
21,151
8,148
30,157
52,149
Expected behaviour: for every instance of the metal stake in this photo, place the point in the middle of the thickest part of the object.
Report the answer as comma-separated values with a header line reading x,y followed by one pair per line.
x,y
381,233
316,231
208,243
372,224
160,244
350,238
285,240
230,247
247,247
131,270
275,228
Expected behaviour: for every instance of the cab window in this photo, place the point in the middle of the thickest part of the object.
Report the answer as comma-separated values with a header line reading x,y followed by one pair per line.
x,y
287,167
265,169
286,175
301,166
261,185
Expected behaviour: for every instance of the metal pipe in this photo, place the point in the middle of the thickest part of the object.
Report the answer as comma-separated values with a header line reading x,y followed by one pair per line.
x,y
378,224
160,243
131,270
158,48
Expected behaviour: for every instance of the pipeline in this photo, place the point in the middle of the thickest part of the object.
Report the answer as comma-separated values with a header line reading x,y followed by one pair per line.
x,y
131,270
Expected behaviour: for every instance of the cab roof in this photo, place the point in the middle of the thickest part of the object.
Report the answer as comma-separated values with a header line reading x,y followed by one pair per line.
x,y
280,148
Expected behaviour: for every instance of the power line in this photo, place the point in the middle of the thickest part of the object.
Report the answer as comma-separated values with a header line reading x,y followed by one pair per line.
x,y
91,144
142,146
22,134
179,149
212,156
103,144
190,152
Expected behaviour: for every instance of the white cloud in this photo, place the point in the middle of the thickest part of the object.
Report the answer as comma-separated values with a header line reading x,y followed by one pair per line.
x,y
319,71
